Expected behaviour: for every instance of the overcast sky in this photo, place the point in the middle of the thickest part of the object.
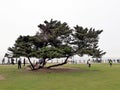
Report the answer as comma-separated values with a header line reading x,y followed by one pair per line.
x,y
21,17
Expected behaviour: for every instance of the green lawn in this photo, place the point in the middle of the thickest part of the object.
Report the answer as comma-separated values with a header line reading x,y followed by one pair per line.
x,y
98,77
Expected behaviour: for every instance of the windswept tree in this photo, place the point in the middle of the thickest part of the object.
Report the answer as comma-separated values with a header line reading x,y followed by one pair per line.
x,y
57,40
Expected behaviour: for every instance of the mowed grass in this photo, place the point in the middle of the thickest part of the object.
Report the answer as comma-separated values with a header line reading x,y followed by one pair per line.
x,y
98,77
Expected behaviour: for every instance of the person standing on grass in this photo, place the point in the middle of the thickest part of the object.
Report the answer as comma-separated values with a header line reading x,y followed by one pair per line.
x,y
12,61
110,63
19,64
3,61
24,62
89,63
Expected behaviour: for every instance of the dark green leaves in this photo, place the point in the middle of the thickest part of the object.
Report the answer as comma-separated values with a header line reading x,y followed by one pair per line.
x,y
56,39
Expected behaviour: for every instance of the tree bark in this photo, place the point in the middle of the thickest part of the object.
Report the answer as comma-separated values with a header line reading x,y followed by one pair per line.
x,y
59,63
32,67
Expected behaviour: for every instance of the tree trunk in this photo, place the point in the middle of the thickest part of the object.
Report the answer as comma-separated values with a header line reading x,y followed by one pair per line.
x,y
59,63
32,67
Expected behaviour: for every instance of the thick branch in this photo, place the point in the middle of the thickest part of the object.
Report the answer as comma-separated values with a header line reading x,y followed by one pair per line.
x,y
59,63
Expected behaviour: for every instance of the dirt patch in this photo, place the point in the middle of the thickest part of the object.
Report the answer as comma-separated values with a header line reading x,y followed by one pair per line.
x,y
58,70
2,77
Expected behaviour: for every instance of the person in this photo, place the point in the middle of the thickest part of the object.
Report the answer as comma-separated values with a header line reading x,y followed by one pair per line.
x,y
89,63
41,62
8,61
19,64
12,61
3,61
24,62
110,63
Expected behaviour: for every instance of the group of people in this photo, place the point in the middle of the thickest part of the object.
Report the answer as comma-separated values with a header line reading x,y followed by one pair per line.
x,y
40,62
89,63
19,62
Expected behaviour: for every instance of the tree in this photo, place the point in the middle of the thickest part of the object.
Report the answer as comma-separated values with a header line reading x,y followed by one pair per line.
x,y
56,40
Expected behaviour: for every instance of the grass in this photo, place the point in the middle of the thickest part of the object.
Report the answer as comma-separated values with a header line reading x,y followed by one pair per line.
x,y
98,77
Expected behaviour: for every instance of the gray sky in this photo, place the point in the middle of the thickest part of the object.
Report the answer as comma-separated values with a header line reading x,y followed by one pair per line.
x,y
21,17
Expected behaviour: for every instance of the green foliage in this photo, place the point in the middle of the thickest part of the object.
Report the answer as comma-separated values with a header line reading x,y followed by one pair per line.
x,y
56,39
67,50
54,52
23,47
54,33
86,41
50,52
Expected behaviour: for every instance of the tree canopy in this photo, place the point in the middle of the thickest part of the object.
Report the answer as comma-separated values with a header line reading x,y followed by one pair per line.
x,y
55,40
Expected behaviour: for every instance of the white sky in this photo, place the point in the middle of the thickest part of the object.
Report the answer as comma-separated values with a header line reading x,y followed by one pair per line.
x,y
21,17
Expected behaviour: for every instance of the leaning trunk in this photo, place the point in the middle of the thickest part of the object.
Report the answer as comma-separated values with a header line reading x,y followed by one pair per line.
x,y
32,67
59,63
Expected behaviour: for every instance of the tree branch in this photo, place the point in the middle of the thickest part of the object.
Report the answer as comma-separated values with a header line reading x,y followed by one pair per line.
x,y
59,63
32,67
